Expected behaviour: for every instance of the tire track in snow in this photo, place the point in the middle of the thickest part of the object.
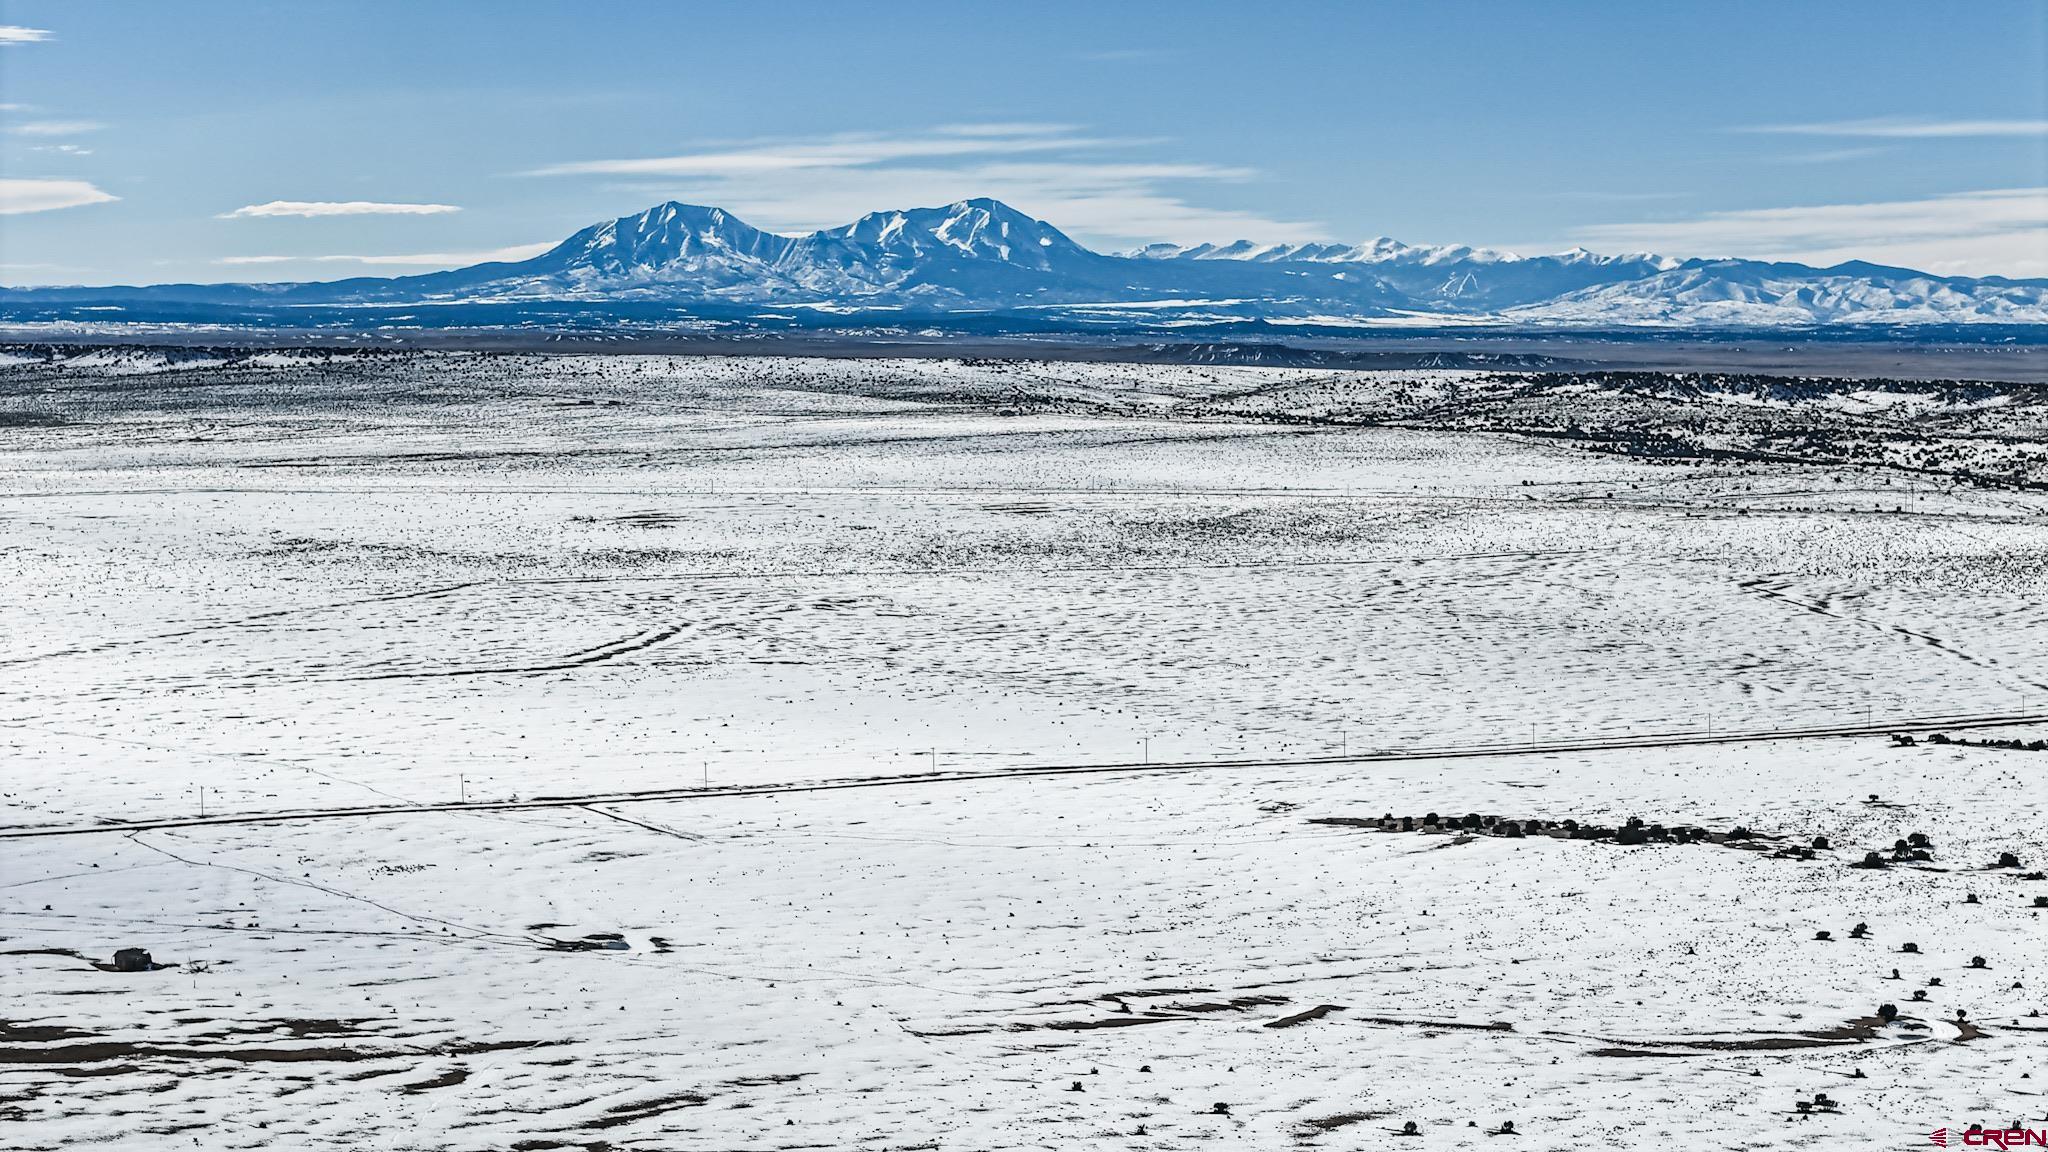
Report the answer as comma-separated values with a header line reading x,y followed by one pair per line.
x,y
240,622
588,656
1774,591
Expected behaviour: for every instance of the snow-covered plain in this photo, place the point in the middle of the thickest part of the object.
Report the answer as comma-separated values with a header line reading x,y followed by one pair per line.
x,y
407,581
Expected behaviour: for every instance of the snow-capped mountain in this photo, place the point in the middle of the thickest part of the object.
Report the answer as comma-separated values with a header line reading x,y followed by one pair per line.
x,y
969,254
970,230
975,251
668,244
983,256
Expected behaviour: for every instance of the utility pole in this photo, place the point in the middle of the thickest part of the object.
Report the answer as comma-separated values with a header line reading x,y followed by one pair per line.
x,y
462,783
1148,749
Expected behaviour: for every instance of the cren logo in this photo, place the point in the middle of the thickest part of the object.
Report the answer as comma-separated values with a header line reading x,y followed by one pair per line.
x,y
1940,1137
1978,1136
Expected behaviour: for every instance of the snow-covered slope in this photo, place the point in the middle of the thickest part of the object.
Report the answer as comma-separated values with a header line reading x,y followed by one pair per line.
x,y
1379,250
982,255
1746,293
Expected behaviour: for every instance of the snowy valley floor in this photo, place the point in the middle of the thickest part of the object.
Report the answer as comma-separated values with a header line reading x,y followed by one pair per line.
x,y
302,585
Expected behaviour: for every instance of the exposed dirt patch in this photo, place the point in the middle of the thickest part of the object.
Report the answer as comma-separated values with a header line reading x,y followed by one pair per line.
x,y
599,942
764,1081
646,518
1861,1028
1858,1031
1341,1120
40,1033
104,1050
304,1028
446,1079
66,952
1315,1013
646,1109
1234,1004
1495,1026
1103,1022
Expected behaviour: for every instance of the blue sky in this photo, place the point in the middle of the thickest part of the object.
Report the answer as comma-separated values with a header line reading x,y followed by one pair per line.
x,y
149,142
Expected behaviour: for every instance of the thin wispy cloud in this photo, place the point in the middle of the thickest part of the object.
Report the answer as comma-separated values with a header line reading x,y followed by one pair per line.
x,y
336,208
1085,184
851,150
19,196
1007,128
1907,128
1827,156
16,34
410,259
55,127
1994,232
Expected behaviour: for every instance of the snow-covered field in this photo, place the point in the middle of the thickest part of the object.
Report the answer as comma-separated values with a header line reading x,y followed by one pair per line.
x,y
485,598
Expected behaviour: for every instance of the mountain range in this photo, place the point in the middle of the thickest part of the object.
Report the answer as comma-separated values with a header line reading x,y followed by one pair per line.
x,y
983,256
